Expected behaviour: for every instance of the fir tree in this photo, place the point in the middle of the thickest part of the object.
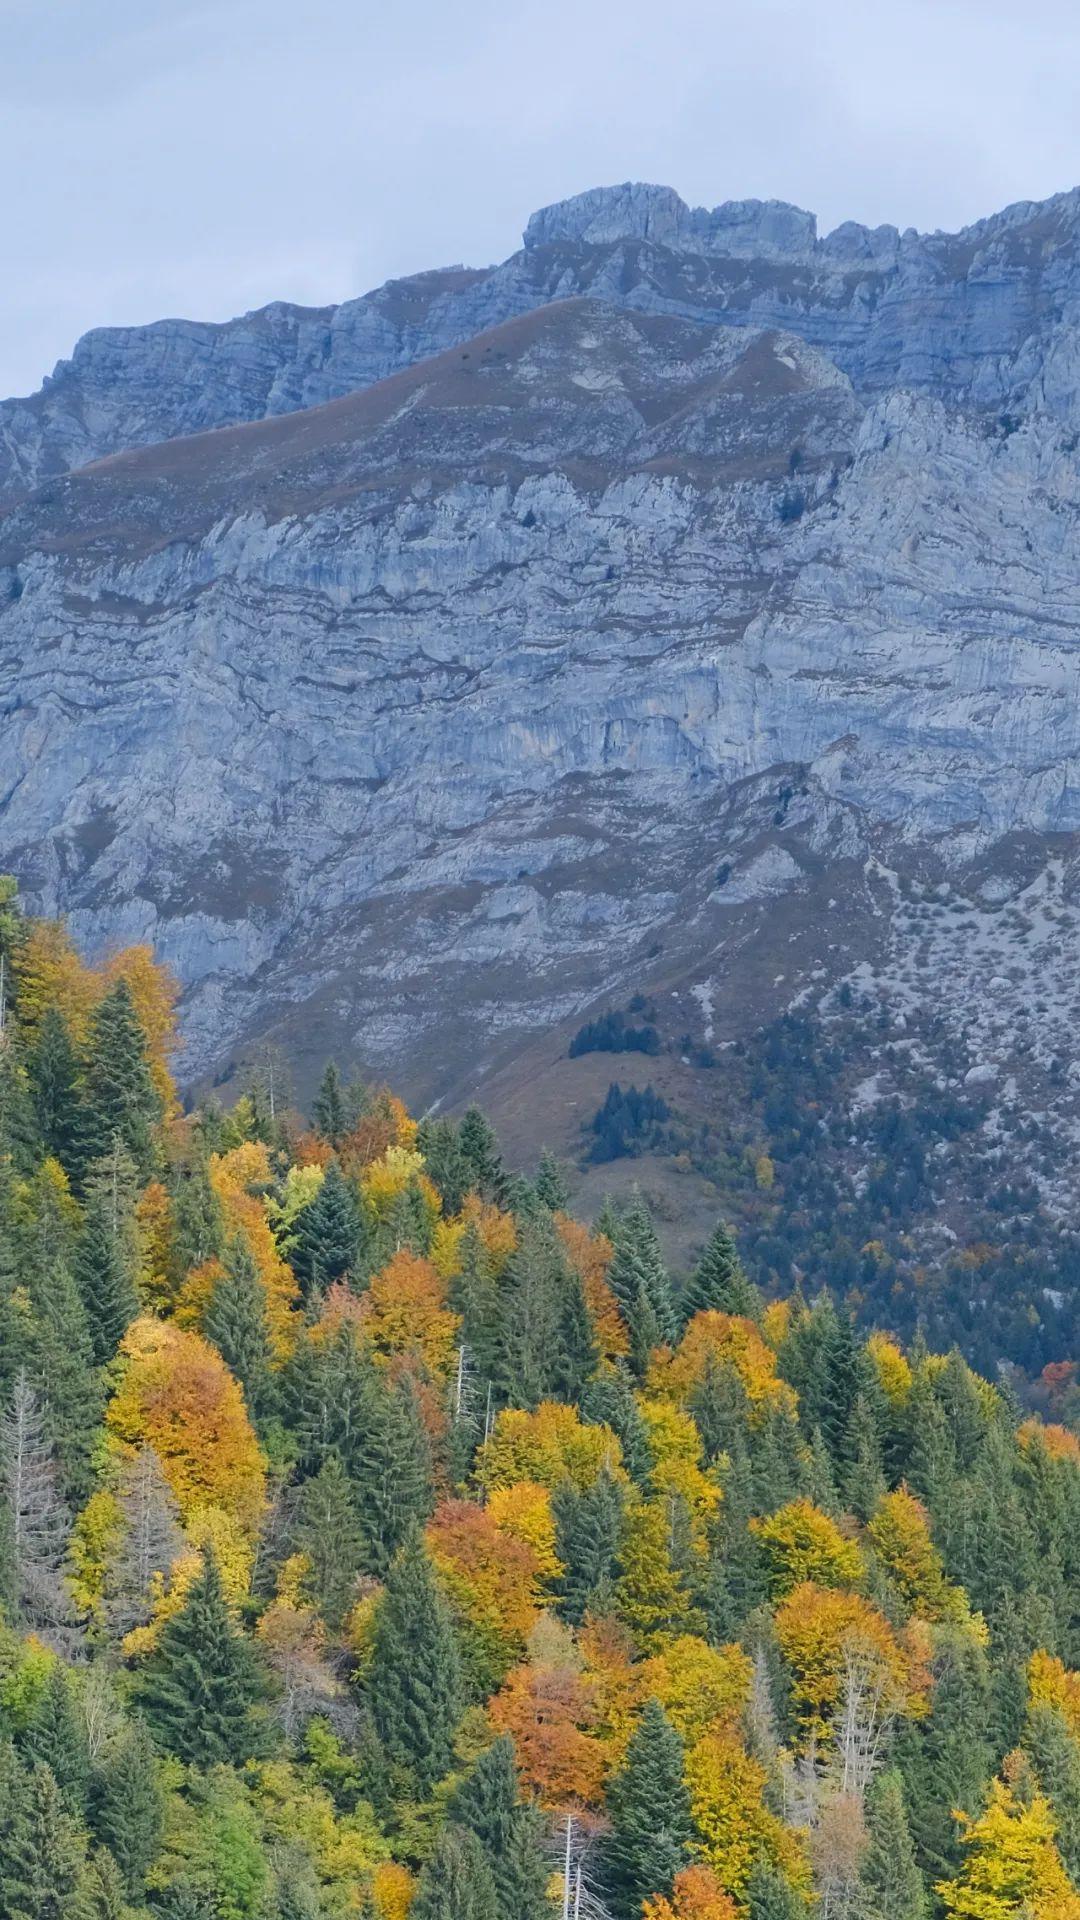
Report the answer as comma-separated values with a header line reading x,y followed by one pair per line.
x,y
530,1352
331,1391
106,1257
551,1187
60,1357
588,1537
202,1689
18,1130
392,1474
638,1278
127,1808
326,1235
770,1894
54,1082
864,1477
946,1762
488,1803
43,1867
198,1223
120,1094
892,1884
235,1321
456,1883
56,1738
608,1400
718,1283
648,1804
577,1354
327,1529
445,1163
481,1150
474,1294
328,1106
415,1694
1055,1758
721,1410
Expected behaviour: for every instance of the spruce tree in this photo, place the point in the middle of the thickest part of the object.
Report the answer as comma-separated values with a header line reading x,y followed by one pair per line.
x,y
235,1320
721,1409
391,1477
328,1106
946,1761
202,1689
56,1738
588,1525
652,1831
533,1284
864,1477
551,1187
327,1529
770,1894
198,1223
638,1278
43,1866
331,1390
326,1235
456,1883
608,1400
488,1803
106,1256
18,1130
718,1283
1055,1757
127,1807
577,1354
474,1294
445,1163
120,1093
55,1091
481,1150
892,1884
415,1695
61,1363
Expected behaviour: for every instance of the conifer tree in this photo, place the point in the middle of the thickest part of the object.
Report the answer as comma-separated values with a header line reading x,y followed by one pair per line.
x,y
198,1222
106,1256
327,1235
54,1082
945,1762
126,1806
235,1321
721,1409
577,1354
718,1283
60,1361
55,1737
330,1392
1055,1757
456,1883
43,1867
736,1578
18,1130
608,1400
392,1474
328,1107
864,1478
532,1302
648,1804
36,1520
588,1537
770,1894
638,1278
120,1094
202,1689
445,1163
481,1150
892,1884
415,1696
551,1187
474,1294
488,1803
327,1529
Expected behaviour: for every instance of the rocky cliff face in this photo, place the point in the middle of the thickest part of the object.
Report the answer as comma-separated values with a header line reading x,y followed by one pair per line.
x,y
689,606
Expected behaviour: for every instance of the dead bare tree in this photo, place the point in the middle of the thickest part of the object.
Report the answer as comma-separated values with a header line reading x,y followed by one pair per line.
x,y
36,1521
152,1539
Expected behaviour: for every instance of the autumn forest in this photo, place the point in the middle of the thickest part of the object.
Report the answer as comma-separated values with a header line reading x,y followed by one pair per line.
x,y
378,1539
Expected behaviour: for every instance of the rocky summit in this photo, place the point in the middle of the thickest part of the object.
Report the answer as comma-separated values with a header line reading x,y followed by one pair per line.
x,y
672,633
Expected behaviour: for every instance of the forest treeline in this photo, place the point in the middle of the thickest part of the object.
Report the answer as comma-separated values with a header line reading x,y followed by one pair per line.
x,y
376,1539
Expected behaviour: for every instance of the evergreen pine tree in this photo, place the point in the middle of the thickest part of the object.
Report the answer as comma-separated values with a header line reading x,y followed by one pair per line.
x,y
721,1409
456,1883
328,1106
577,1354
54,1083
202,1688
445,1163
718,1283
638,1278
474,1294
198,1223
532,1302
816,1480
488,1803
481,1150
648,1804
892,1884
106,1256
608,1401
120,1094
326,1235
946,1761
415,1690
770,1894
550,1183
588,1531
1055,1757
43,1866
60,1363
235,1320
864,1477
56,1738
126,1806
18,1130
392,1474
735,1584
327,1529
330,1391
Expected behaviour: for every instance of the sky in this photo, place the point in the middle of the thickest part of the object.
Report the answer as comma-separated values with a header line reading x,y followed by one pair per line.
x,y
201,157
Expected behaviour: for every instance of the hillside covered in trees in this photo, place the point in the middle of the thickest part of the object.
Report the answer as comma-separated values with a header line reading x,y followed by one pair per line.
x,y
378,1540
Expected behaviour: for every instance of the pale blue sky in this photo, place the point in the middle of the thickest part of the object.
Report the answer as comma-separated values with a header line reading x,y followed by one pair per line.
x,y
204,156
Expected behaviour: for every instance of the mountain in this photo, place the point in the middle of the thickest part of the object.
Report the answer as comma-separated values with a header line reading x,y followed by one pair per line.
x,y
676,623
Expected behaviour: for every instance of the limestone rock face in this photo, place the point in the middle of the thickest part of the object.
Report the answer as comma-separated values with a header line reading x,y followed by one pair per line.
x,y
628,616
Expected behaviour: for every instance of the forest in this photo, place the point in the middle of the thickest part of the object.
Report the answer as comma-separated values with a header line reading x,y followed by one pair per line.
x,y
377,1539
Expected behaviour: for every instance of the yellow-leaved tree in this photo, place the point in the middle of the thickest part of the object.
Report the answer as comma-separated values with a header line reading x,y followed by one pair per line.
x,y
1011,1863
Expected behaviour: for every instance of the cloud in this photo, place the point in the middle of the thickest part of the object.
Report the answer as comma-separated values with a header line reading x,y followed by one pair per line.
x,y
203,159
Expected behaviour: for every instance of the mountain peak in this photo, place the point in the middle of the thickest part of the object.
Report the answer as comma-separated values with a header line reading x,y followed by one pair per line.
x,y
637,210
